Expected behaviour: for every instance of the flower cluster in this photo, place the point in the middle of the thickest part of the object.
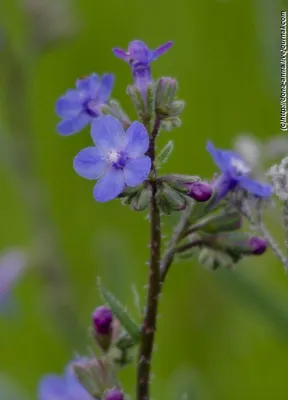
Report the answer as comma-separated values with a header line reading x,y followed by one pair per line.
x,y
125,164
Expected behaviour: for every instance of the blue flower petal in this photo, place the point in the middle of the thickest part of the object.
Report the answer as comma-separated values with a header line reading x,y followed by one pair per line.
x,y
136,141
52,387
120,53
90,163
255,187
105,88
89,84
136,171
73,125
138,51
159,51
107,133
223,158
110,185
71,104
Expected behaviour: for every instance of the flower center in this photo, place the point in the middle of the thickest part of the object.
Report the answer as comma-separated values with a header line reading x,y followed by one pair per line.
x,y
91,107
239,166
114,156
117,159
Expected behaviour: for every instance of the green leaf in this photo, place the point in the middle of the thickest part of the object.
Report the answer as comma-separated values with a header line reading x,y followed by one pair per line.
x,y
121,314
164,154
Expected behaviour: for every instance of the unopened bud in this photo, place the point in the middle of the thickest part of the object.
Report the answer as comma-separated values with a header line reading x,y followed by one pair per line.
x,y
140,201
166,89
169,199
103,321
113,394
176,108
258,244
144,103
90,373
200,191
236,243
170,123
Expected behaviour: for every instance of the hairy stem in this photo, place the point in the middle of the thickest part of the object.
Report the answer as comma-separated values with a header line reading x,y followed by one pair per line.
x,y
170,252
149,324
262,230
188,246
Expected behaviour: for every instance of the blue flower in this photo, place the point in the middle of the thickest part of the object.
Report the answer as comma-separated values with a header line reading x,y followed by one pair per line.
x,y
235,173
118,159
67,387
80,106
139,57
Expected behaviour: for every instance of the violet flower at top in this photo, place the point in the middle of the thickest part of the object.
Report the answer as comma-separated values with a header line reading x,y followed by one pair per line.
x,y
118,159
67,387
139,57
235,173
80,106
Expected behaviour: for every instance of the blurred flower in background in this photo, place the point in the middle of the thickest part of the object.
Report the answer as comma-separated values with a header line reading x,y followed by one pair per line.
x,y
50,20
13,263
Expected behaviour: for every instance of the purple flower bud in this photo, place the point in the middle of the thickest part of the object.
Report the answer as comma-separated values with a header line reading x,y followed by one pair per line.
x,y
139,56
114,394
200,191
258,244
102,320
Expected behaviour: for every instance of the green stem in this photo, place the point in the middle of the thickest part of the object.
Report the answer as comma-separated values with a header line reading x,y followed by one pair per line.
x,y
149,324
169,254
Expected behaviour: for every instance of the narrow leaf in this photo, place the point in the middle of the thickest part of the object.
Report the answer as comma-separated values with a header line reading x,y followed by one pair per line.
x,y
164,154
121,314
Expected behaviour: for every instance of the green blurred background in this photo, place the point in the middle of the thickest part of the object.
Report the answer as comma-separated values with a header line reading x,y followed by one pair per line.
x,y
217,339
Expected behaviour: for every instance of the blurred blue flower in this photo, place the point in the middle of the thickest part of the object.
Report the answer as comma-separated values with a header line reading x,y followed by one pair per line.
x,y
139,57
80,106
12,265
67,387
235,172
118,158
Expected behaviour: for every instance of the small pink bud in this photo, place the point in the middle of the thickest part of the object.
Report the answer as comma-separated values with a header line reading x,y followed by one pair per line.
x,y
114,394
103,321
200,191
258,244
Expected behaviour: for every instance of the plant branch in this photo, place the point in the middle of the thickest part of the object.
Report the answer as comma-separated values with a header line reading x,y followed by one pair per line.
x,y
262,230
176,237
149,324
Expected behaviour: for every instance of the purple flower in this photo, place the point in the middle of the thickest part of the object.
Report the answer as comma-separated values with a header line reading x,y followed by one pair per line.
x,y
80,106
235,173
139,57
102,320
65,387
114,394
118,159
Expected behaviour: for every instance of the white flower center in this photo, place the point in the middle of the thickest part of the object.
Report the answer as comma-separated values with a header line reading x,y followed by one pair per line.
x,y
240,167
113,156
